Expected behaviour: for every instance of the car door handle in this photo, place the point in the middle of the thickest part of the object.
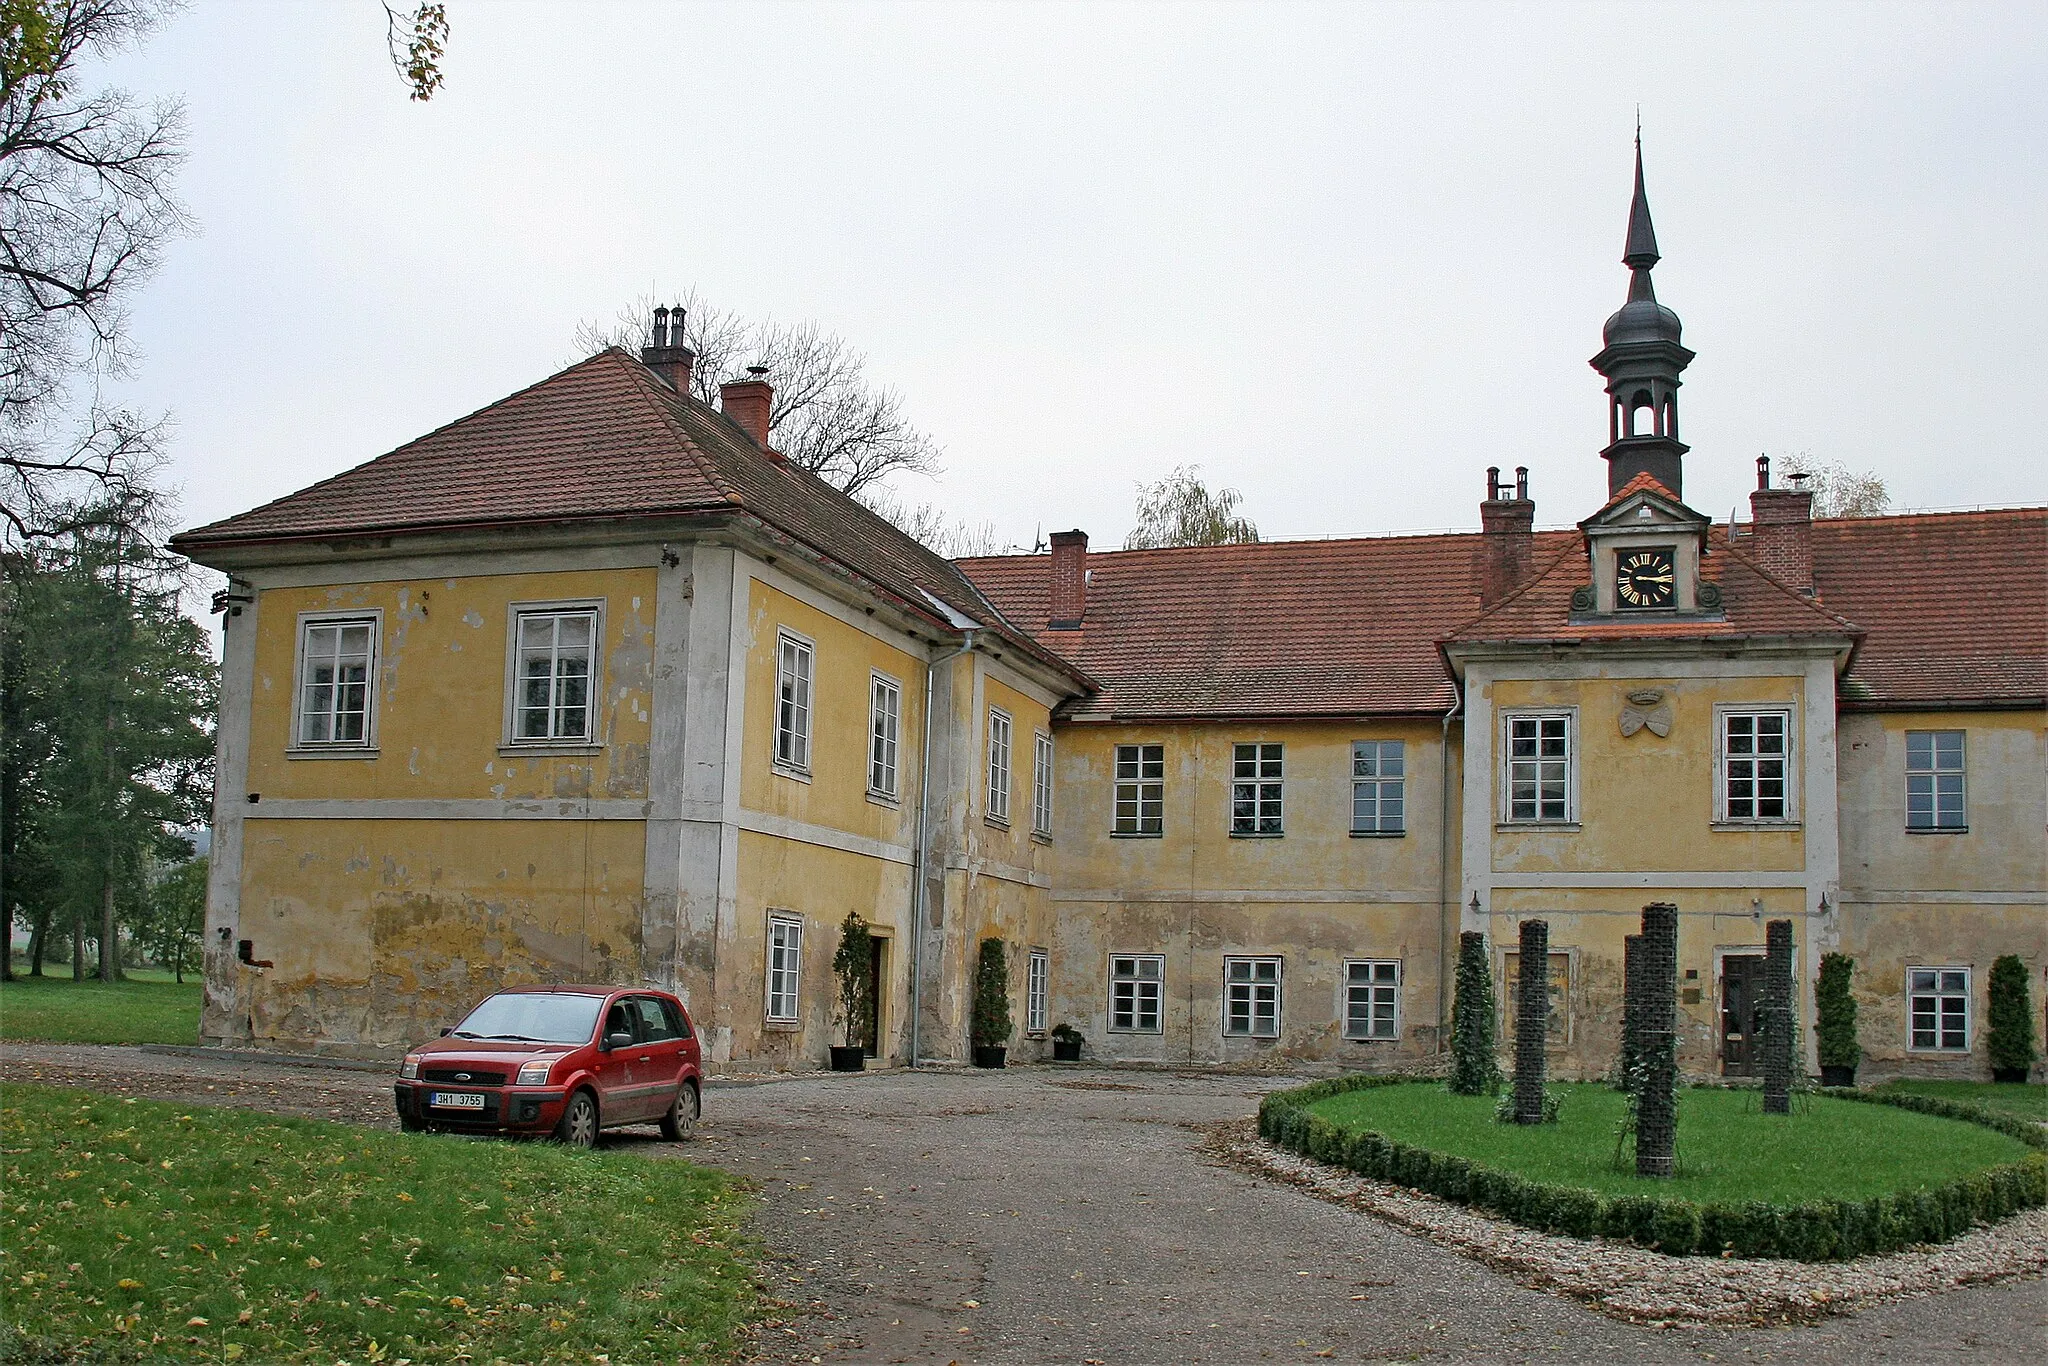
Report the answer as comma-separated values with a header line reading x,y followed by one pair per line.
x,y
645,1058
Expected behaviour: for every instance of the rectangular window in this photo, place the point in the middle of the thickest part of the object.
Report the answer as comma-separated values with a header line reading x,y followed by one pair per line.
x,y
551,698
1938,1001
1378,787
1539,768
998,765
1251,997
885,719
1134,987
1372,1000
1041,784
1934,780
1755,757
1036,979
1557,1028
1255,783
1140,790
793,702
336,659
785,967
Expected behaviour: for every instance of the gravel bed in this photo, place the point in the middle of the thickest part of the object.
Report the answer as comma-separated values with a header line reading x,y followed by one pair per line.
x,y
1640,1286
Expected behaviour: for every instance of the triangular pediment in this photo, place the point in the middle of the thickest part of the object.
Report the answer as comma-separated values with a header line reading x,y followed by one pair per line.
x,y
1643,504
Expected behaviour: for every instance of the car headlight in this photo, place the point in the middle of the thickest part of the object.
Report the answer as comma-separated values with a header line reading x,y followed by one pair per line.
x,y
535,1073
409,1070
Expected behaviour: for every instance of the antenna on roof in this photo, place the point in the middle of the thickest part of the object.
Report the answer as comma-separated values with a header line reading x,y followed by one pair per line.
x,y
1038,545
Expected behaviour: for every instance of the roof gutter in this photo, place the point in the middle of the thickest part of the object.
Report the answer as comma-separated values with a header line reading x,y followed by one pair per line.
x,y
918,899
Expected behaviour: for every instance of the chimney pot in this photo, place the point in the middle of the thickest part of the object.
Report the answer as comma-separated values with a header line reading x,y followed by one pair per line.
x,y
748,402
665,354
1507,538
1763,471
1069,596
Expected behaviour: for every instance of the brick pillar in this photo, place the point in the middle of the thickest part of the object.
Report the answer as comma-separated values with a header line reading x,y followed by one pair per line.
x,y
1532,1020
1657,1015
1777,1018
1631,1010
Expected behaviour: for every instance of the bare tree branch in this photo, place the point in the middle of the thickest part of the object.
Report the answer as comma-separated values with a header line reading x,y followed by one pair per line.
x,y
417,42
933,526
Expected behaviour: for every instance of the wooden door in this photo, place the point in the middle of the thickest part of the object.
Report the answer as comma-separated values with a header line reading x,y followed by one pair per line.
x,y
1742,991
873,1038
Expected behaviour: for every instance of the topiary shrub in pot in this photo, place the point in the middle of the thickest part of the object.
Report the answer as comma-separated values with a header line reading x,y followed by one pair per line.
x,y
1835,1035
2011,1040
854,966
1066,1043
990,1031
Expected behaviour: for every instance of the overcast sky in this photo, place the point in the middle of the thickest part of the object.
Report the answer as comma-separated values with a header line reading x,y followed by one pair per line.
x,y
1343,257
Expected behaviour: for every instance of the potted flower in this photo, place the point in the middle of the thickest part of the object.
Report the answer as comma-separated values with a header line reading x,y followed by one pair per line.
x,y
854,966
2011,1040
1066,1043
1836,1036
992,1026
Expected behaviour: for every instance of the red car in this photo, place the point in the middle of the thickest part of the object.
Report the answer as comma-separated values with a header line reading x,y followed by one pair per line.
x,y
566,1061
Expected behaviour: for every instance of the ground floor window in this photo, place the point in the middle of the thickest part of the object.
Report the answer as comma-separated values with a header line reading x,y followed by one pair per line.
x,y
1251,997
1372,1000
1134,989
785,964
1558,1024
1938,1004
1036,979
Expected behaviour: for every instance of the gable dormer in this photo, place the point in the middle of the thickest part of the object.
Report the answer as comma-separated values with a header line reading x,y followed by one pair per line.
x,y
1643,551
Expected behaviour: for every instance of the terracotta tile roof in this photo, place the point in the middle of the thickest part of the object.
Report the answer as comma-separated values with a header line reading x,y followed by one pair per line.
x,y
605,440
1642,483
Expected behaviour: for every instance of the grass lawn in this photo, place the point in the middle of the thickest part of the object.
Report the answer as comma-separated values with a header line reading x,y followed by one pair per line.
x,y
2013,1098
136,1230
1729,1151
148,1008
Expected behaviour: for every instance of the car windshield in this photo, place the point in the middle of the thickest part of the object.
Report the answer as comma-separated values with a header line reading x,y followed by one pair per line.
x,y
532,1017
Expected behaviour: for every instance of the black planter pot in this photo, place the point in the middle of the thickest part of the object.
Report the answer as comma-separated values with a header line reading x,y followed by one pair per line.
x,y
2009,1074
1066,1050
989,1057
1837,1076
853,1059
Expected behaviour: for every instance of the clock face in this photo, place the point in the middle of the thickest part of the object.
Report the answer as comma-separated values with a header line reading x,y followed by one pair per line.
x,y
1644,578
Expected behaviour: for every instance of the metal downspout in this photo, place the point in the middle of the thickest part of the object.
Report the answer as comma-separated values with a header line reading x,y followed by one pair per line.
x,y
1443,867
924,800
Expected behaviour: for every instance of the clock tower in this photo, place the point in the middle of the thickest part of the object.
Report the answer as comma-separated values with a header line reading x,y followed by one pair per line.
x,y
1641,362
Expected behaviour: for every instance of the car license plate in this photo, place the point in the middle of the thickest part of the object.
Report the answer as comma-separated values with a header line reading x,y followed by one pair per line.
x,y
456,1100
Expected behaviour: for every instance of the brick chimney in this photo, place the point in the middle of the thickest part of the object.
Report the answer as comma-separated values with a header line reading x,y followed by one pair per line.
x,y
1781,529
1069,579
1507,521
748,402
666,354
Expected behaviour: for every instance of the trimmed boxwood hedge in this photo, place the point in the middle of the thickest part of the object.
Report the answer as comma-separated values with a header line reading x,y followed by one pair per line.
x,y
1818,1231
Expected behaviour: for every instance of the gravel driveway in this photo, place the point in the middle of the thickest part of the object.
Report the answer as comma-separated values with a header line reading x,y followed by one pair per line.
x,y
1073,1215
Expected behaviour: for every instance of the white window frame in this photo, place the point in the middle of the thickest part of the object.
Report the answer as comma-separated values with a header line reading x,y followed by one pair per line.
x,y
1000,731
1041,783
792,742
515,614
783,999
1242,979
1145,970
1723,713
885,734
1380,782
1938,993
1144,792
1037,984
1934,774
1570,717
1373,985
1262,788
296,743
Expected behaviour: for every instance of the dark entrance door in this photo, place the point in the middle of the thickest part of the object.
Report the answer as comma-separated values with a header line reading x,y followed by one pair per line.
x,y
872,1040
1742,991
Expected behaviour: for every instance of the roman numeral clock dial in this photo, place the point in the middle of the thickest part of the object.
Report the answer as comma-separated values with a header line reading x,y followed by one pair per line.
x,y
1645,579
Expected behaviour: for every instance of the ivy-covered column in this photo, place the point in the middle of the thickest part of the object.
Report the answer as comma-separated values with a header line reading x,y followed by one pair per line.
x,y
1532,1020
1474,1072
1657,1038
1777,1018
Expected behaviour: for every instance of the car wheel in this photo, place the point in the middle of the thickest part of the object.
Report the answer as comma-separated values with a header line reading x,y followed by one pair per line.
x,y
411,1125
578,1127
681,1120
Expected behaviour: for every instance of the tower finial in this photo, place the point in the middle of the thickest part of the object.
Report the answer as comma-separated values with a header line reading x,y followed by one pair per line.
x,y
1641,252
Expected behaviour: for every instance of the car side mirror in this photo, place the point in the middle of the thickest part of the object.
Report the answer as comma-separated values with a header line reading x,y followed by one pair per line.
x,y
446,1030
618,1040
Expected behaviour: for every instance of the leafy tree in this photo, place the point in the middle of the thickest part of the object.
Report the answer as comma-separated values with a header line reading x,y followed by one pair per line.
x,y
992,1024
417,41
1474,1072
1180,510
2011,1038
828,416
853,963
171,916
1835,1008
1839,491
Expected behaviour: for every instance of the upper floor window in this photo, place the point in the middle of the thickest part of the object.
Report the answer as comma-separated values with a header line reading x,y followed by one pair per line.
x,y
1037,981
1378,787
1251,997
885,719
1934,780
1041,784
1539,767
552,667
785,967
1372,1000
1938,1004
337,658
1134,991
1255,790
1756,750
998,765
793,666
1140,790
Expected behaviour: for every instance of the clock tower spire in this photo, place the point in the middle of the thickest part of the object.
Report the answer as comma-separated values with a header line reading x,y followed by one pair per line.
x,y
1641,362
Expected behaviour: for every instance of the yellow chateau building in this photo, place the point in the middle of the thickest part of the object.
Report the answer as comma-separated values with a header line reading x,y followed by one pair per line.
x,y
592,685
